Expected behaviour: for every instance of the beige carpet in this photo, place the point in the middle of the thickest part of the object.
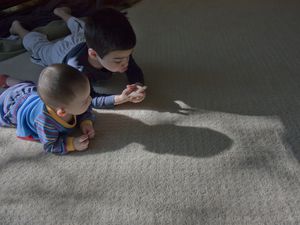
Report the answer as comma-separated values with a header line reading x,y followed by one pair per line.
x,y
215,142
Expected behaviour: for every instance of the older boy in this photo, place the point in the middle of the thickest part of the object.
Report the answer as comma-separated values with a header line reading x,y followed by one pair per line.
x,y
49,111
102,45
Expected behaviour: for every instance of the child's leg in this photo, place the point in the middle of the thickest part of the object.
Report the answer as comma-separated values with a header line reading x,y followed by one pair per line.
x,y
44,52
17,28
63,12
75,25
34,42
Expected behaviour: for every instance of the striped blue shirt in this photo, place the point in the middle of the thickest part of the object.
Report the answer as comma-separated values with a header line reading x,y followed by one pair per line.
x,y
21,106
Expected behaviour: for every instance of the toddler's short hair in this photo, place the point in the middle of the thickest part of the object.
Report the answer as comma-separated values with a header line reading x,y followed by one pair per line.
x,y
109,30
58,84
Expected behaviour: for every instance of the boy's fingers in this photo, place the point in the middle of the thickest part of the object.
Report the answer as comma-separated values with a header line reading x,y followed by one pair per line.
x,y
131,87
136,95
141,89
138,98
127,92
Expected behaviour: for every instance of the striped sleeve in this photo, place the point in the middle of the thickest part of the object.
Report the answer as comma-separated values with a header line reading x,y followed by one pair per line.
x,y
50,136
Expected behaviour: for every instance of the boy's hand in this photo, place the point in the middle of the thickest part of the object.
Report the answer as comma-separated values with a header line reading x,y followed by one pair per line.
x,y
81,143
137,94
88,129
122,98
133,93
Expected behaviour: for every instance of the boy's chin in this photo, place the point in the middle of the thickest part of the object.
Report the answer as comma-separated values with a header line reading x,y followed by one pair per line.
x,y
118,70
123,70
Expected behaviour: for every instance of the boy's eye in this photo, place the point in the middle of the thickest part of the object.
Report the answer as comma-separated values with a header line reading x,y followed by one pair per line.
x,y
118,62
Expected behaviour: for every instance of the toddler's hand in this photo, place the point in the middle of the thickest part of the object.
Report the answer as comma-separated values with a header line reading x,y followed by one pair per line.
x,y
81,143
88,129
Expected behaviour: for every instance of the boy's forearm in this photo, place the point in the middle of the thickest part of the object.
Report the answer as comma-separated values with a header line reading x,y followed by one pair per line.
x,y
103,102
119,99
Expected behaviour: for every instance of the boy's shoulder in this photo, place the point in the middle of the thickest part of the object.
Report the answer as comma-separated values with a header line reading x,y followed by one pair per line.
x,y
77,56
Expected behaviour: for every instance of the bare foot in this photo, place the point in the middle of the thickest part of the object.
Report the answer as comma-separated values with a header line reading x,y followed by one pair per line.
x,y
62,11
17,28
14,27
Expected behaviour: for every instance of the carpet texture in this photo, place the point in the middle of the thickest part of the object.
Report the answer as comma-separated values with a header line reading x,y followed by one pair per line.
x,y
215,142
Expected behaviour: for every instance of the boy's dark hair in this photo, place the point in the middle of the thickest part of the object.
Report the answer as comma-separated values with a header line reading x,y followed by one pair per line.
x,y
59,83
109,30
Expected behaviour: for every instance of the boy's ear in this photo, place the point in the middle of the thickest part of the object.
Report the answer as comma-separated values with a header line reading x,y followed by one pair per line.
x,y
60,112
92,53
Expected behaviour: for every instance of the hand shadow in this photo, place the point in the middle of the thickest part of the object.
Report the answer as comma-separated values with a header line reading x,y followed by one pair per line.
x,y
115,131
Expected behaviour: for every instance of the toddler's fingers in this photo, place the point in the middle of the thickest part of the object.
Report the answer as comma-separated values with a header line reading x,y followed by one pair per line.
x,y
85,144
91,134
83,138
82,148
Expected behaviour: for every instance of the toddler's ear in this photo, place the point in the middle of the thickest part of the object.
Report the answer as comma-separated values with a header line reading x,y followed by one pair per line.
x,y
92,53
61,112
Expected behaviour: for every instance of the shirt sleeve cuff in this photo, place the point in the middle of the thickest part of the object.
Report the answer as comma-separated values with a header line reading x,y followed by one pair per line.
x,y
88,122
69,145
